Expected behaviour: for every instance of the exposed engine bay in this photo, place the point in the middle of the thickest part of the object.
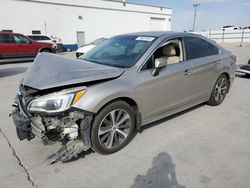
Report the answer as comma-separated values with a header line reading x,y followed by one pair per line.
x,y
71,128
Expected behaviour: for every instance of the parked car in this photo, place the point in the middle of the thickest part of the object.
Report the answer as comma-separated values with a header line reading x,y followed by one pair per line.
x,y
43,38
15,45
243,69
229,27
87,47
126,82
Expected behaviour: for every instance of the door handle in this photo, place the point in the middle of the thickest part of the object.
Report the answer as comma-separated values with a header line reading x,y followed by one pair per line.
x,y
187,72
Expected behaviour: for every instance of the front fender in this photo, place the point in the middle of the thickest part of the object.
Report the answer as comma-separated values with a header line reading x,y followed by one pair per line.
x,y
99,95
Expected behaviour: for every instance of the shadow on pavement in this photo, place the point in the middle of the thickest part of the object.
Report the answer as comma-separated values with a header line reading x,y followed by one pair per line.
x,y
160,175
11,71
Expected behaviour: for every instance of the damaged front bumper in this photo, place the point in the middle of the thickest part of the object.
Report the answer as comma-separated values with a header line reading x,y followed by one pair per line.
x,y
71,128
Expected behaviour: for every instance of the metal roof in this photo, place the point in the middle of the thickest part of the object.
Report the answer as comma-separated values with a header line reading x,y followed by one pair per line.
x,y
141,4
160,33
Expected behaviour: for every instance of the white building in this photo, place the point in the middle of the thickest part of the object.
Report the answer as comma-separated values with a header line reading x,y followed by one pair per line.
x,y
81,21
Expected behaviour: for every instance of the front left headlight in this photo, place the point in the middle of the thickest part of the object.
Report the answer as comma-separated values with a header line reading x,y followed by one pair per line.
x,y
56,102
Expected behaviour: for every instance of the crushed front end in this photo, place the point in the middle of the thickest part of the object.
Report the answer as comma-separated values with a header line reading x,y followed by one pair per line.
x,y
68,125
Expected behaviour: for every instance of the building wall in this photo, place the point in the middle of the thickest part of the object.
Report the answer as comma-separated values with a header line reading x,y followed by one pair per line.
x,y
63,18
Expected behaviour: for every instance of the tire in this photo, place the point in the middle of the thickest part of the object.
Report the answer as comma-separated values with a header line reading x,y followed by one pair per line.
x,y
46,50
109,134
219,91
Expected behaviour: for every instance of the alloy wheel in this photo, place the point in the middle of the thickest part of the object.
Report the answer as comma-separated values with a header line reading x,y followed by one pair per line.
x,y
220,90
114,128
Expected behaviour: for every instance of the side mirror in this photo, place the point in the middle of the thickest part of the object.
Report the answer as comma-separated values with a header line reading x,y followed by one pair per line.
x,y
159,63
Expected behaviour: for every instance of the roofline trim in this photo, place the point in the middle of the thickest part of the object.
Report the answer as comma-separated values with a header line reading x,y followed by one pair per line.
x,y
141,4
100,8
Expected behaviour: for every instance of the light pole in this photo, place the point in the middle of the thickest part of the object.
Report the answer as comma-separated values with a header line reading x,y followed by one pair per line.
x,y
195,10
45,27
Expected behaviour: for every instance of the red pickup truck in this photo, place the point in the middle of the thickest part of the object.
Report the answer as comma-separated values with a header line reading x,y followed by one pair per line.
x,y
15,45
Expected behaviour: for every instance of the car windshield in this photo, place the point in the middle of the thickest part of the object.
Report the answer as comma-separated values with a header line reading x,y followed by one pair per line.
x,y
97,41
120,51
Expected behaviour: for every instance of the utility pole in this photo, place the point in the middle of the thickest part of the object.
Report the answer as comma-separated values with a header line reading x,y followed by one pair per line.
x,y
45,27
195,10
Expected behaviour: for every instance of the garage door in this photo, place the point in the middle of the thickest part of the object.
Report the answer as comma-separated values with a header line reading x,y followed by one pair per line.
x,y
157,24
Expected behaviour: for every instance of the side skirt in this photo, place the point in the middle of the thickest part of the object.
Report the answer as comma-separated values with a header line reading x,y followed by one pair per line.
x,y
176,110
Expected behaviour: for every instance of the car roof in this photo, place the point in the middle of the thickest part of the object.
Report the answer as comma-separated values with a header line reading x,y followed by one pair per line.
x,y
1,32
160,34
37,35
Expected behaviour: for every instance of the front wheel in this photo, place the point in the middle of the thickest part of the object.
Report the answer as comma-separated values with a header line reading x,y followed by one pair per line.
x,y
219,91
112,128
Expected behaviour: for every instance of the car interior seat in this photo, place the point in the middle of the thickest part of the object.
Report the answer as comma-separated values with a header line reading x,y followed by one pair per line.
x,y
171,54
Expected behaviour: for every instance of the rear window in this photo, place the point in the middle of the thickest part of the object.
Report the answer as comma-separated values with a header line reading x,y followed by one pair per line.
x,y
197,48
6,38
35,37
45,38
40,37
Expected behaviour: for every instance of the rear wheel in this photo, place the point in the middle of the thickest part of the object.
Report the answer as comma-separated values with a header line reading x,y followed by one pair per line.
x,y
112,128
219,91
46,50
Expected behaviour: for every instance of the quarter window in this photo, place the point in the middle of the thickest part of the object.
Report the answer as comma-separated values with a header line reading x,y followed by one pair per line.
x,y
197,48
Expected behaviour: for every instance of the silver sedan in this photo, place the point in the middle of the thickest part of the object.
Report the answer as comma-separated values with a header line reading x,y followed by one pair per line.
x,y
99,100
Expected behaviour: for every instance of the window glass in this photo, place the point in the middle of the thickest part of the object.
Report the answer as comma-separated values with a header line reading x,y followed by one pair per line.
x,y
45,38
197,48
171,52
34,37
97,41
121,51
1,38
20,39
6,38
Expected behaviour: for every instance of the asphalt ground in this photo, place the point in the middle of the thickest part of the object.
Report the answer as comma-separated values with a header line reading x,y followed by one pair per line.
x,y
201,147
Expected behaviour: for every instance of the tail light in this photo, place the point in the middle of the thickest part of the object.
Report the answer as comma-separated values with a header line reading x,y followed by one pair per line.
x,y
233,58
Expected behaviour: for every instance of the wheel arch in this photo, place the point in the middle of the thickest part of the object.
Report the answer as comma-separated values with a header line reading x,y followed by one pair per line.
x,y
42,49
132,103
228,77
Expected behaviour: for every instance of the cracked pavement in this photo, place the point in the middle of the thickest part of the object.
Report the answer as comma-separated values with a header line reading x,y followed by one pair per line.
x,y
20,163
202,147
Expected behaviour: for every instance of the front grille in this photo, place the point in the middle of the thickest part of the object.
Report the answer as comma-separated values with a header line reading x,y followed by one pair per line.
x,y
245,67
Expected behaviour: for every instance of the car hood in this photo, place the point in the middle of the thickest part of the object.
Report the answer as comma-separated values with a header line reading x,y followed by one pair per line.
x,y
86,48
52,71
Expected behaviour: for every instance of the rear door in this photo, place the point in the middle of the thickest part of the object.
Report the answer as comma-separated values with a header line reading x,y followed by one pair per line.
x,y
206,64
7,46
25,47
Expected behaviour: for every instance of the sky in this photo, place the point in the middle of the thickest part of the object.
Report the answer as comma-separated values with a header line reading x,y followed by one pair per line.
x,y
211,14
